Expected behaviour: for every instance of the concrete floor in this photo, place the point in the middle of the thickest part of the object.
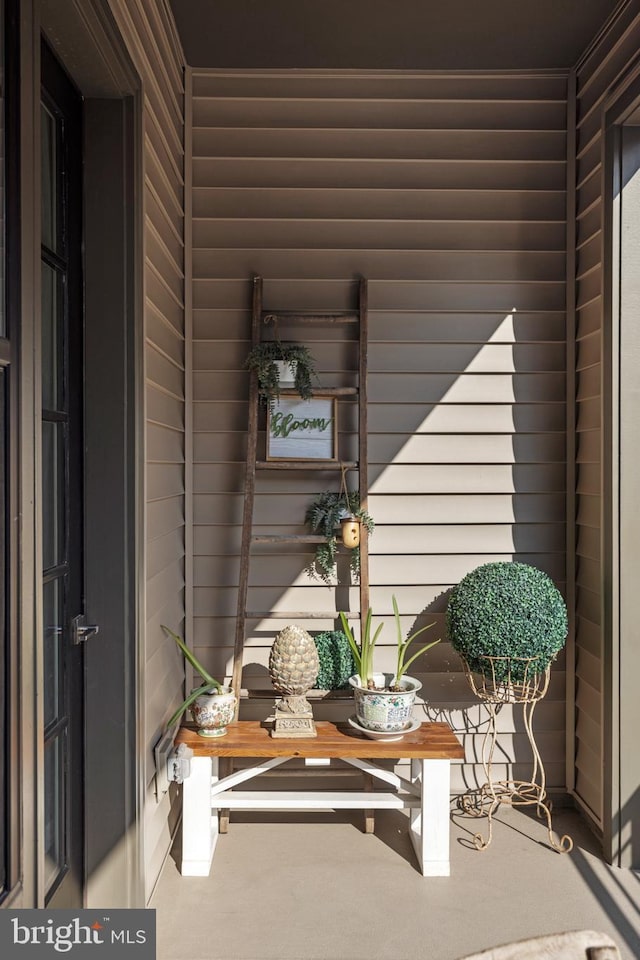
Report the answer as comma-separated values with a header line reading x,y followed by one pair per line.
x,y
314,887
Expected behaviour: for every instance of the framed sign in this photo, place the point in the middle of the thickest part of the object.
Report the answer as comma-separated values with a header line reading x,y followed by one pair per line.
x,y
303,429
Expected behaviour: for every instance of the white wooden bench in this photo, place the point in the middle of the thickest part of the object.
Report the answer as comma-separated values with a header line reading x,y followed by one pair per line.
x,y
430,748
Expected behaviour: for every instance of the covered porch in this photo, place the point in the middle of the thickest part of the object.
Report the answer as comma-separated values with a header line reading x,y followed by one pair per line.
x,y
479,165
313,887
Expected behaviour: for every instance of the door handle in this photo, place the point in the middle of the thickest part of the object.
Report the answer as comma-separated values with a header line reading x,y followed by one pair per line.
x,y
80,631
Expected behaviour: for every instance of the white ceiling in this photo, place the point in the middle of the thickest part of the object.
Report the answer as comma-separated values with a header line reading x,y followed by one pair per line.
x,y
388,34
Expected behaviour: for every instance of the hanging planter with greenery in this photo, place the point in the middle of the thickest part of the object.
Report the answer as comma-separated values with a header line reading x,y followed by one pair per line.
x,y
263,360
323,516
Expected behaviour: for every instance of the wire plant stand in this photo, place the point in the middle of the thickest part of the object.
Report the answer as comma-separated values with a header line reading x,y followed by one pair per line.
x,y
512,680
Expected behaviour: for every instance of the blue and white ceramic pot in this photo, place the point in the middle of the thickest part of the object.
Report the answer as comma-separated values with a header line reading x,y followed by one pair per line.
x,y
384,710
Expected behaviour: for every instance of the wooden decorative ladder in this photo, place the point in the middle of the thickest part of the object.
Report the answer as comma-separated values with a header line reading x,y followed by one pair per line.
x,y
259,318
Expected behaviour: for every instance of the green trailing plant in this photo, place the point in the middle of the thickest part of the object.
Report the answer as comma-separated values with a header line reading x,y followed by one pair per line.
x,y
323,516
363,653
262,361
507,610
336,660
210,685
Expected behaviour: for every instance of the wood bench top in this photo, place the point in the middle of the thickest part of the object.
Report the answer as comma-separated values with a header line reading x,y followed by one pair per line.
x,y
250,738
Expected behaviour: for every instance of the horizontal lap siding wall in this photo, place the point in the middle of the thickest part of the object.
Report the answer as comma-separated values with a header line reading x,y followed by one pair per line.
x,y
148,29
596,77
449,193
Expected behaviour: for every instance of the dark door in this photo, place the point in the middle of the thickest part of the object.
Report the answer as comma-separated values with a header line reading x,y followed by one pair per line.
x,y
62,484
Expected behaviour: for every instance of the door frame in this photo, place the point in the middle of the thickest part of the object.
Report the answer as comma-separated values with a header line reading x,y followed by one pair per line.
x,y
113,536
104,74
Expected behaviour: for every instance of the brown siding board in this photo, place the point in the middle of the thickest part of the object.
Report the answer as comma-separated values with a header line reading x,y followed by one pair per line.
x,y
166,374
164,551
164,337
371,235
589,349
480,327
164,480
469,387
378,204
163,408
468,417
164,443
369,85
470,478
541,145
466,448
164,225
589,225
401,264
160,295
427,173
357,113
589,511
493,358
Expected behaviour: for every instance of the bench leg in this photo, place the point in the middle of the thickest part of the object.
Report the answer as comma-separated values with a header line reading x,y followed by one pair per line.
x,y
226,769
429,824
369,815
199,826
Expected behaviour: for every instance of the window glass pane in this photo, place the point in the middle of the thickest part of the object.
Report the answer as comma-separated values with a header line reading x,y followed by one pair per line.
x,y
53,504
52,339
49,163
52,613
54,786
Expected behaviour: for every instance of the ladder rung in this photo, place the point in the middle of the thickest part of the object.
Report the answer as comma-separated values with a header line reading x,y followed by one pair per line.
x,y
291,316
288,538
322,391
297,615
306,464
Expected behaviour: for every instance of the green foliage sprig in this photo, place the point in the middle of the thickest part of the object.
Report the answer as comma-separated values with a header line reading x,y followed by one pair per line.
x,y
323,516
336,660
261,360
403,664
363,654
210,684
507,609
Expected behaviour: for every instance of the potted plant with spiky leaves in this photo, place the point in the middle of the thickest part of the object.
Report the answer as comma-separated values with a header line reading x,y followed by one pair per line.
x,y
384,701
212,704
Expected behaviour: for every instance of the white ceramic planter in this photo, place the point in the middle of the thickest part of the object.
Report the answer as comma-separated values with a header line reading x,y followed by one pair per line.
x,y
213,711
286,372
384,711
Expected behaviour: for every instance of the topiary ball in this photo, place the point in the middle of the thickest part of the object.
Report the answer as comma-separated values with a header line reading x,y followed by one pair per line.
x,y
507,609
336,660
